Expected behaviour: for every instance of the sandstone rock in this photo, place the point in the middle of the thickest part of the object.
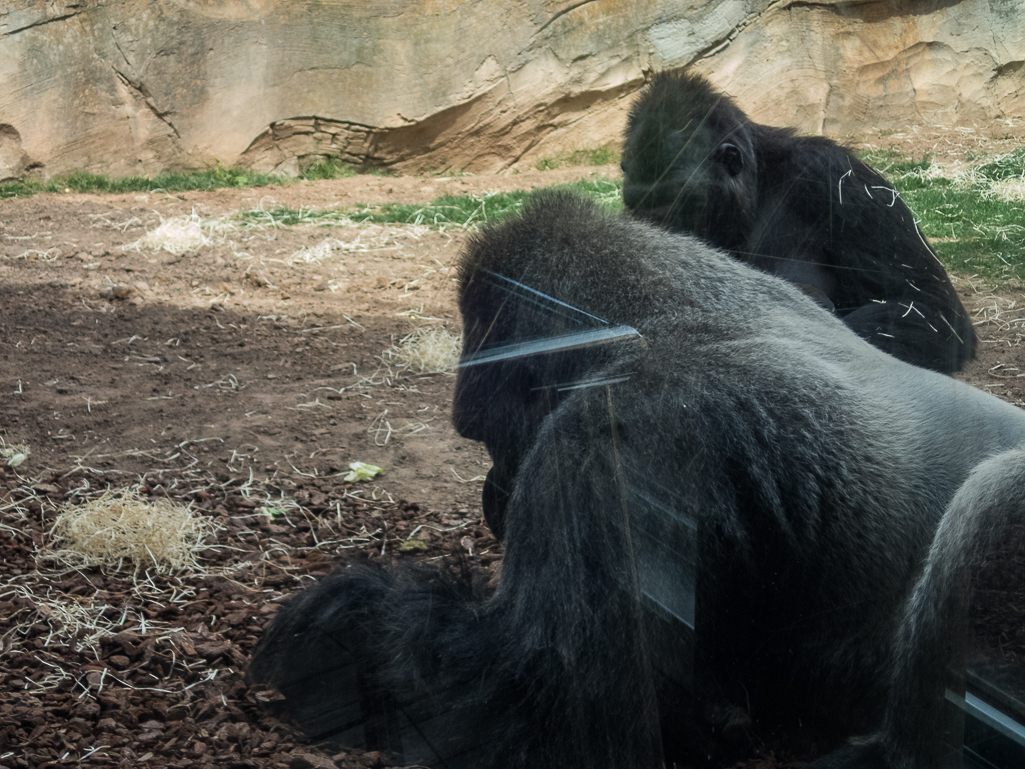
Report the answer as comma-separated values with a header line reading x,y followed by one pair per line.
x,y
841,68
14,162
142,86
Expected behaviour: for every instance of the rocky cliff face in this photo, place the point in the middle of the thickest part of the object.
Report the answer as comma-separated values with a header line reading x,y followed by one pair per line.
x,y
139,86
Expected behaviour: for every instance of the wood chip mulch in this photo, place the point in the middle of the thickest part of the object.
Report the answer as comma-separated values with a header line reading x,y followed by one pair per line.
x,y
109,669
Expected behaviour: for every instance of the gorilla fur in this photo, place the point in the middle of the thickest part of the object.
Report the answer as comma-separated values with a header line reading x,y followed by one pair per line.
x,y
931,645
688,442
802,208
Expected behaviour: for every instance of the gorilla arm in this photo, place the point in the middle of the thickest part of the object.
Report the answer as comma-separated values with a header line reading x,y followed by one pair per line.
x,y
920,730
551,671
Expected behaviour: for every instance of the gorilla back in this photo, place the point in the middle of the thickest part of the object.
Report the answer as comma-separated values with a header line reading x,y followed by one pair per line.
x,y
694,451
802,208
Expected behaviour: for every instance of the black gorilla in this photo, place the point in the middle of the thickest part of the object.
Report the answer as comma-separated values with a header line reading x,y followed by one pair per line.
x,y
802,208
713,484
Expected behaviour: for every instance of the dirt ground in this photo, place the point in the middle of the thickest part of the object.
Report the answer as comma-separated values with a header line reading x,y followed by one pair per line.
x,y
244,354
242,375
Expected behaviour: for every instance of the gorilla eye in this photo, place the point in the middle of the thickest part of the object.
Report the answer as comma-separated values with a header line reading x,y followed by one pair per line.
x,y
730,158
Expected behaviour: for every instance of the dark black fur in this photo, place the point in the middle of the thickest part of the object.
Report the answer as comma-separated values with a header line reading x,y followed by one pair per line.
x,y
748,433
802,208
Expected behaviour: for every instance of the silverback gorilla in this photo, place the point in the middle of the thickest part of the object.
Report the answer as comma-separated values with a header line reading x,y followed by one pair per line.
x,y
802,208
714,484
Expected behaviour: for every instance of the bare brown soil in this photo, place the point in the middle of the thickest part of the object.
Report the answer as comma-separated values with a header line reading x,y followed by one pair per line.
x,y
233,354
243,377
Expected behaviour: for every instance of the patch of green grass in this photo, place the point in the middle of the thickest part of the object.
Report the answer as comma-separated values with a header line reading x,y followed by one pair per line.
x,y
447,211
599,156
328,169
1008,166
450,210
972,233
457,210
470,210
608,192
282,216
212,178
905,173
972,229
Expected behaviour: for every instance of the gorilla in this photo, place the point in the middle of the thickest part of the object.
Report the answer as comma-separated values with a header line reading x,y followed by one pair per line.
x,y
802,208
715,488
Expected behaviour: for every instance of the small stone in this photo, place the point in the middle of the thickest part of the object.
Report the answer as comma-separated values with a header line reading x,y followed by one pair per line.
x,y
120,661
116,291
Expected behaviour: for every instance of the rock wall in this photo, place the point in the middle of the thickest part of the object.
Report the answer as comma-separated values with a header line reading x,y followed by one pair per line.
x,y
140,86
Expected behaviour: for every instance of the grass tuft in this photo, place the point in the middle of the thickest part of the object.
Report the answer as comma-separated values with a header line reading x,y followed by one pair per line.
x,y
425,351
329,168
181,234
1005,167
120,526
600,156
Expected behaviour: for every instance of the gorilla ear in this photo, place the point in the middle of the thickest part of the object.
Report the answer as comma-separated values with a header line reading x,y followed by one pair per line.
x,y
730,157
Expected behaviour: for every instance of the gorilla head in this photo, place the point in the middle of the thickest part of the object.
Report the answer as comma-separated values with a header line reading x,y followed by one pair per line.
x,y
689,161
